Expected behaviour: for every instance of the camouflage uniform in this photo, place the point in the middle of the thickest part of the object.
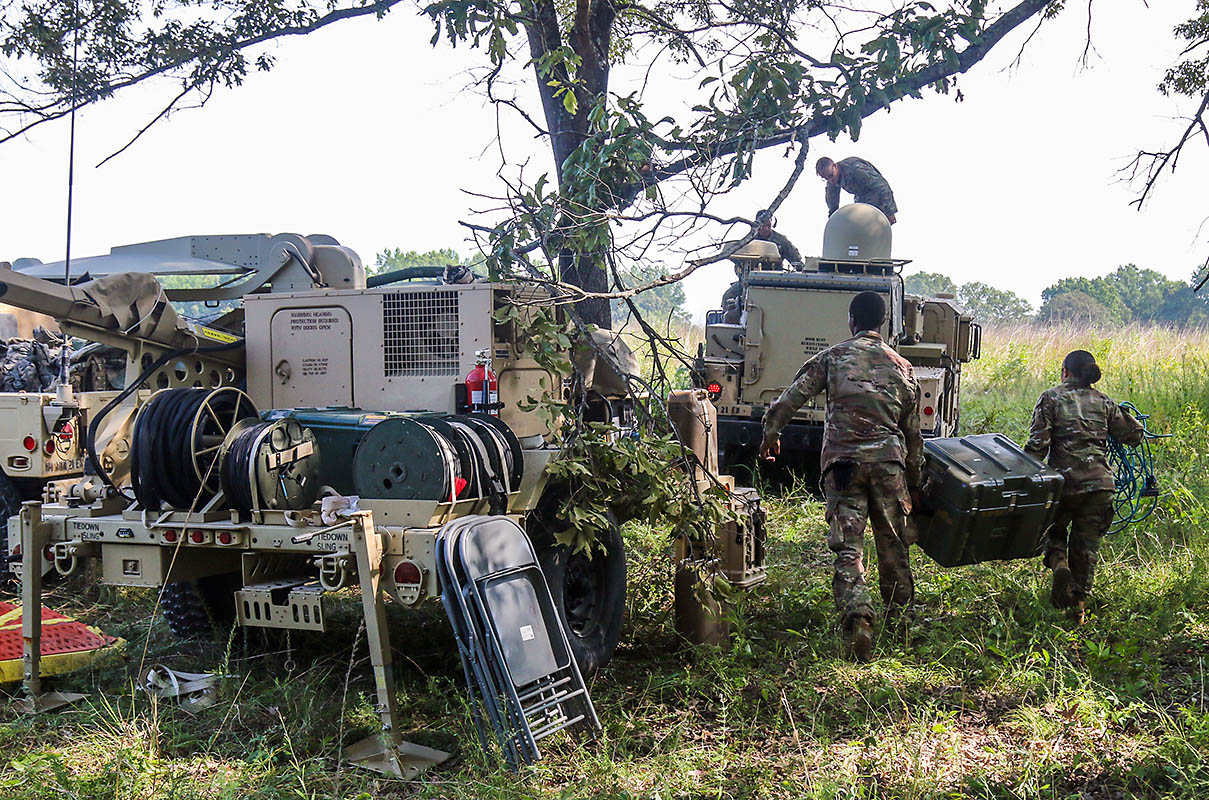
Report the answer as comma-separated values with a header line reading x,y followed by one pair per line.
x,y
1071,424
872,460
788,252
866,185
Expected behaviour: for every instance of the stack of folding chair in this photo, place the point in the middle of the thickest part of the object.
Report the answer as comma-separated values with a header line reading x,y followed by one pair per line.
x,y
523,680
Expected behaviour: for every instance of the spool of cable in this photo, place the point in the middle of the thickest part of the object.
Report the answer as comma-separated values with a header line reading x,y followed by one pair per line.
x,y
270,465
239,464
177,439
514,456
465,458
403,459
500,446
477,482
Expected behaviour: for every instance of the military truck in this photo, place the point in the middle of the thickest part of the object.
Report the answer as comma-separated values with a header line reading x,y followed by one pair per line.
x,y
324,437
752,351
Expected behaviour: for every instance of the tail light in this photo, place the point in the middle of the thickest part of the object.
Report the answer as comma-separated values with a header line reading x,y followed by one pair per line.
x,y
199,536
30,443
408,572
715,390
170,536
929,411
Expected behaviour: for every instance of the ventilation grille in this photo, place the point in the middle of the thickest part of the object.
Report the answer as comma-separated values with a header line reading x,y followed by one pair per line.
x,y
420,333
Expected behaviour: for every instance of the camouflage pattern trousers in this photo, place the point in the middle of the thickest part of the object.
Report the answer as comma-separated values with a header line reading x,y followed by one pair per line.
x,y
1080,523
876,492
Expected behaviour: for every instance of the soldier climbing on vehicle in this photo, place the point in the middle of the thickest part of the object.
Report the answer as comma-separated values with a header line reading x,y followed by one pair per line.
x,y
871,461
860,179
764,224
1071,424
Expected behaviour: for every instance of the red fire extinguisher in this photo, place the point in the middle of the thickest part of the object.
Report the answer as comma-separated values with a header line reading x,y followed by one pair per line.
x,y
482,387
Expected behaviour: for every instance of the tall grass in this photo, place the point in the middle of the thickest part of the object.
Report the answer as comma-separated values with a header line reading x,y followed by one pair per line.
x,y
989,693
1162,371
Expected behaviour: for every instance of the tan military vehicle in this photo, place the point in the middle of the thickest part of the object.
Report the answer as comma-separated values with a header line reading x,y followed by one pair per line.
x,y
330,432
753,351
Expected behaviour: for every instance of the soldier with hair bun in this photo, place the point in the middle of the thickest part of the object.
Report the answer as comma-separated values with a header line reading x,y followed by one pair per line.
x,y
1071,424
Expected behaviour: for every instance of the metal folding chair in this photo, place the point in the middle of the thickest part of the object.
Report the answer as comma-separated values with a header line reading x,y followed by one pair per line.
x,y
523,678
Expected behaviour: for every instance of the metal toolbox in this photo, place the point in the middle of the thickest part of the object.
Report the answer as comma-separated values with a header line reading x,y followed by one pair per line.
x,y
984,499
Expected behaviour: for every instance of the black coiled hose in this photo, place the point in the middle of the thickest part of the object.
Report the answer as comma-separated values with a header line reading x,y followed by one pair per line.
x,y
164,446
90,443
237,466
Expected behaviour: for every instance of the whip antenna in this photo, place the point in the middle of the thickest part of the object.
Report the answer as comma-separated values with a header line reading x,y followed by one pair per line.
x,y
64,350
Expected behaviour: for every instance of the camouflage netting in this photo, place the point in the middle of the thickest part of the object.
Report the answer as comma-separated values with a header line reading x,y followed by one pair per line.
x,y
32,365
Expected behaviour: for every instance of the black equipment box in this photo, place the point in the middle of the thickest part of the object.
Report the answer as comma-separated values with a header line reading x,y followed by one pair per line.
x,y
984,499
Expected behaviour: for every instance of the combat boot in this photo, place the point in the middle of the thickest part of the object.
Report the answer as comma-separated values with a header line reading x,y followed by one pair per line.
x,y
862,640
1059,594
1076,613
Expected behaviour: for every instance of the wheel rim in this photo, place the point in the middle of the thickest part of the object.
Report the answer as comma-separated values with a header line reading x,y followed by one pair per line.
x,y
211,421
583,591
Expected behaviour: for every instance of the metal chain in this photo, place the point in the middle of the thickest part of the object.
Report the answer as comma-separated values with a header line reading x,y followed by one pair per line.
x,y
290,665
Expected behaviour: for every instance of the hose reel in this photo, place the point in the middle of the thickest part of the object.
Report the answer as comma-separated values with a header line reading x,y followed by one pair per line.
x,y
270,465
188,444
415,457
178,438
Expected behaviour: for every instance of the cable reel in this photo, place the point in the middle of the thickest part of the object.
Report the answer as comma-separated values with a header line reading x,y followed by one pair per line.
x,y
403,458
189,444
270,465
177,441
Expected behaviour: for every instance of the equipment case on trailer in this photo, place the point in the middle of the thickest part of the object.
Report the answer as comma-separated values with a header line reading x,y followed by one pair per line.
x,y
984,499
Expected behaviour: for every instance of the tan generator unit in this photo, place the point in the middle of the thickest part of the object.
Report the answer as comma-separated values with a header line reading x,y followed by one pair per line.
x,y
399,348
791,316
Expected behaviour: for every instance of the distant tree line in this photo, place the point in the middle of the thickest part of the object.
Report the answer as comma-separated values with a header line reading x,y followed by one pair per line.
x,y
662,306
392,259
1128,294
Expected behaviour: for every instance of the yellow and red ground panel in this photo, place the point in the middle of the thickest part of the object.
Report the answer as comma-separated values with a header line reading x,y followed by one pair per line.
x,y
67,644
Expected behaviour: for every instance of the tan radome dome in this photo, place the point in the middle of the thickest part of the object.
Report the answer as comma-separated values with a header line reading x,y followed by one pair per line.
x,y
857,232
757,250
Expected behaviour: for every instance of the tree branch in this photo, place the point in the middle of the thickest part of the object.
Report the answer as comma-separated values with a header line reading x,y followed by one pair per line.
x,y
970,56
44,114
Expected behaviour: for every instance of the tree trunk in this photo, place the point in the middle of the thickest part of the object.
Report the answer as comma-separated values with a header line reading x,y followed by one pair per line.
x,y
589,38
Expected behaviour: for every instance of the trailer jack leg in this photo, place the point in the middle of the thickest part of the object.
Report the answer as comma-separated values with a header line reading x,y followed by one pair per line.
x,y
386,752
33,539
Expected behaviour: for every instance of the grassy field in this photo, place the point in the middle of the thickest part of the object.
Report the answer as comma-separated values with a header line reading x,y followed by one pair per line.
x,y
990,693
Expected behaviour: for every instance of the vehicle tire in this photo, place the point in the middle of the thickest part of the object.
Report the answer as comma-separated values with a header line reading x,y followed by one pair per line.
x,y
200,609
10,504
588,592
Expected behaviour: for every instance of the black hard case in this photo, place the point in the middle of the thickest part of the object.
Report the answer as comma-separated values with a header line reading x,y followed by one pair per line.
x,y
984,499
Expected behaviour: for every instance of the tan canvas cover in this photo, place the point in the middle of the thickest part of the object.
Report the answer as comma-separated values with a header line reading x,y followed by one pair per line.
x,y
606,375
135,302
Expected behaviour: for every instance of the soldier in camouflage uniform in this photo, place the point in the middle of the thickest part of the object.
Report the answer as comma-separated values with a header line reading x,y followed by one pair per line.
x,y
764,222
1071,424
860,179
871,460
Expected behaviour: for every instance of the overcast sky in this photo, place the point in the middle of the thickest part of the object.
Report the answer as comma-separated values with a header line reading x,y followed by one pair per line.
x,y
366,132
